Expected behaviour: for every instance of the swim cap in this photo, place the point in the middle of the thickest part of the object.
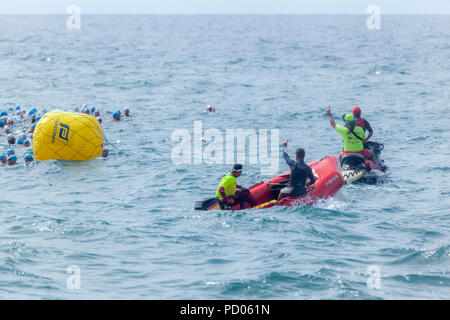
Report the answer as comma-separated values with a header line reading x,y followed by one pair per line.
x,y
13,158
10,152
350,119
357,111
76,109
10,109
116,114
26,141
38,118
92,109
10,137
32,111
18,108
33,125
2,124
28,157
2,156
20,140
4,113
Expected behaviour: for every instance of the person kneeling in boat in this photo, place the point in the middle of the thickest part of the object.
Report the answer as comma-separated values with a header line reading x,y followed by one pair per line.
x,y
353,138
229,192
299,172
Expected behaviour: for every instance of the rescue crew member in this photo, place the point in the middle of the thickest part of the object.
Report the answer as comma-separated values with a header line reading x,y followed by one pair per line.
x,y
229,192
299,172
352,136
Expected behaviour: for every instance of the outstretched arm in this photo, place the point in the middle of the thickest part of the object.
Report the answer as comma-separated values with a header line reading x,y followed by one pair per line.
x,y
330,117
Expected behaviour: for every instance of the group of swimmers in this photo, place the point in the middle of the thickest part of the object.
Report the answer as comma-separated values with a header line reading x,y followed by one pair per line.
x,y
18,122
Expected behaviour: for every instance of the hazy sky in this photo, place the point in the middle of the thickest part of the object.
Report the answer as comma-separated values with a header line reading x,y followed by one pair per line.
x,y
225,6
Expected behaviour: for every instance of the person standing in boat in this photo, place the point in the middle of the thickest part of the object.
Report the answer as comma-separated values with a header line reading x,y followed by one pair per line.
x,y
299,172
229,192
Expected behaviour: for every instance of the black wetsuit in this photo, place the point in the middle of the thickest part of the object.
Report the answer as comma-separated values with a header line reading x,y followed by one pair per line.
x,y
299,172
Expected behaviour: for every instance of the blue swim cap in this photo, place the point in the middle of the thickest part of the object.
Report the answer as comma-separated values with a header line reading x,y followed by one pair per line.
x,y
2,156
33,125
26,141
33,116
10,152
18,108
38,118
2,124
93,109
10,109
116,114
28,156
32,111
13,157
20,141
4,113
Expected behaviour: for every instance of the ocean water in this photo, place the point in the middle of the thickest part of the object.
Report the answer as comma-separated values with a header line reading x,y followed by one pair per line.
x,y
127,223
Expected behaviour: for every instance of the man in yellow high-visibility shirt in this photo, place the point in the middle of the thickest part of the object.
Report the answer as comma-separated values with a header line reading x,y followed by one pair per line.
x,y
229,191
353,138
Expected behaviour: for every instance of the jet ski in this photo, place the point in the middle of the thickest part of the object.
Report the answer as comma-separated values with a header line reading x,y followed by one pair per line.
x,y
328,181
355,168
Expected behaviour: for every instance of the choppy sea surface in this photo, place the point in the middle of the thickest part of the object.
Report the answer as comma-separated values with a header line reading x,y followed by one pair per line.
x,y
127,223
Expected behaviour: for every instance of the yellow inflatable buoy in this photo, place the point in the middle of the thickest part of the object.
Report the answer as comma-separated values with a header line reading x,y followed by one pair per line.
x,y
64,135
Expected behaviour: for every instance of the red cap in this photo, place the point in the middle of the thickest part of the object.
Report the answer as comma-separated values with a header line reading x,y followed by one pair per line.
x,y
356,111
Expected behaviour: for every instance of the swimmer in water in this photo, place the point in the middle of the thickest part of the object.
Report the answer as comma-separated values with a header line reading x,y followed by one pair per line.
x,y
116,115
126,112
33,118
31,130
4,114
26,143
100,120
20,141
11,139
28,158
7,130
76,109
97,113
10,152
2,124
105,153
3,158
210,109
12,160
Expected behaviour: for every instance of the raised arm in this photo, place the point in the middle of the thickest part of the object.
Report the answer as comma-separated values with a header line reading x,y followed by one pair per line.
x,y
330,117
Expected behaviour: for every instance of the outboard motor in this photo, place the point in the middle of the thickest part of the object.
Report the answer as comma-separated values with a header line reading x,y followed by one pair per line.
x,y
353,160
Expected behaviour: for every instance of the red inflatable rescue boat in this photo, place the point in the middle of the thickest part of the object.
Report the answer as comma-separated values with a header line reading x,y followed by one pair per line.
x,y
328,181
